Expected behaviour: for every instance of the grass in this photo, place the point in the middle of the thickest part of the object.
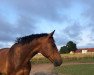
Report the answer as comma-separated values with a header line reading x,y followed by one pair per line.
x,y
71,69
78,69
67,58
39,59
81,58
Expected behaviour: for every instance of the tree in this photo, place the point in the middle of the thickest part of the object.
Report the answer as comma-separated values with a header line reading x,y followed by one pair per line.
x,y
71,46
64,49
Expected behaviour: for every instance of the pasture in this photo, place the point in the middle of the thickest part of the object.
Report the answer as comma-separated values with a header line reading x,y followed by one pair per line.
x,y
67,58
73,64
75,69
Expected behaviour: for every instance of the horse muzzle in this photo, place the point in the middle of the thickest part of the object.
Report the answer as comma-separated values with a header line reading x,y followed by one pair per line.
x,y
57,63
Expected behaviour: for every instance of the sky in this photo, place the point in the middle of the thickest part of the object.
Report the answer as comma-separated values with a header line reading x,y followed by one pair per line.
x,y
72,20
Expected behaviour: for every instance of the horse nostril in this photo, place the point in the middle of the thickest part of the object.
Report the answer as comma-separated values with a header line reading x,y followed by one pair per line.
x,y
56,63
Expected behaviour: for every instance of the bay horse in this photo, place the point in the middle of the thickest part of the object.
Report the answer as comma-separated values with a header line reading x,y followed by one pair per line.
x,y
16,60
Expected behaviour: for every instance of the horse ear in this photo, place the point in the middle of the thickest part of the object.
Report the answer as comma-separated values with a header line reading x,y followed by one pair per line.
x,y
51,34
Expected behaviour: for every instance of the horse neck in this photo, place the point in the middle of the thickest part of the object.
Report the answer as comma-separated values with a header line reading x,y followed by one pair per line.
x,y
23,53
31,52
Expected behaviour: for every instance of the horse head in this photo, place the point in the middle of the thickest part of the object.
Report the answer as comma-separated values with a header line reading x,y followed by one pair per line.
x,y
49,49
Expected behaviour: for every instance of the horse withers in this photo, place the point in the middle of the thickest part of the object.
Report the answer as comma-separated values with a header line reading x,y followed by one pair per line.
x,y
16,60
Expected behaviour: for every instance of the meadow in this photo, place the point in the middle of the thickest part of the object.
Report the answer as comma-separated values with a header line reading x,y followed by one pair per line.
x,y
75,69
73,64
67,58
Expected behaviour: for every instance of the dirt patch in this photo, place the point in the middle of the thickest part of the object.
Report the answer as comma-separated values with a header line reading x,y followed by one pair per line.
x,y
42,69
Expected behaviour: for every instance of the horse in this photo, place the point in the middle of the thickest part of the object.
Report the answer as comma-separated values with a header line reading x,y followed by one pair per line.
x,y
16,60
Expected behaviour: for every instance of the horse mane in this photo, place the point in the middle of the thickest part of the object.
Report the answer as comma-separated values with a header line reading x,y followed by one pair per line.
x,y
4,49
29,38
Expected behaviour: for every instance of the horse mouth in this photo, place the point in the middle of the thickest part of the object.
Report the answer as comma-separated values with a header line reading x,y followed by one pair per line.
x,y
55,62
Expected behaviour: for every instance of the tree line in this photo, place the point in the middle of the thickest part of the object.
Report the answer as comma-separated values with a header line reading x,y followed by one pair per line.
x,y
70,46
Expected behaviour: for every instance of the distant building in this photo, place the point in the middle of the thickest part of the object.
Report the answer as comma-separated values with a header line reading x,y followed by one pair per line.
x,y
85,50
71,52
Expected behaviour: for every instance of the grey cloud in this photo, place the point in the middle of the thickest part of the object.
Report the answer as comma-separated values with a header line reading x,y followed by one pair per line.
x,y
5,30
30,11
9,32
25,25
62,40
47,9
73,31
70,33
89,45
89,10
89,14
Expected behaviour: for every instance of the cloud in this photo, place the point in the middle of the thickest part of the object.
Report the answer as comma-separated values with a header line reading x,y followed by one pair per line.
x,y
73,31
86,37
89,10
28,13
5,30
23,17
88,15
9,32
80,34
46,9
25,25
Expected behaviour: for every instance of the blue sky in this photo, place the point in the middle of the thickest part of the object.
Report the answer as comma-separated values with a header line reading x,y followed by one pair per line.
x,y
72,20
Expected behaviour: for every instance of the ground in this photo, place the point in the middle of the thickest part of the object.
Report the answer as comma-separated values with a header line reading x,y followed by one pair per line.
x,y
47,69
42,69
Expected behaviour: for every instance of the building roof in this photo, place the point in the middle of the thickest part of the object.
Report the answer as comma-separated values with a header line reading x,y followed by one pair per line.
x,y
88,50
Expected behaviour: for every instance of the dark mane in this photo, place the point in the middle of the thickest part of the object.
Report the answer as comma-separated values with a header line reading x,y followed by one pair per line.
x,y
29,38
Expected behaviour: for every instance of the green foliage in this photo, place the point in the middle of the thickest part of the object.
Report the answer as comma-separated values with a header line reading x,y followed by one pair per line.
x,y
64,50
70,46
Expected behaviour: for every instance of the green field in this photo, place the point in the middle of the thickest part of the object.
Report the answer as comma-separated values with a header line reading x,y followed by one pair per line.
x,y
78,69
67,58
73,64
